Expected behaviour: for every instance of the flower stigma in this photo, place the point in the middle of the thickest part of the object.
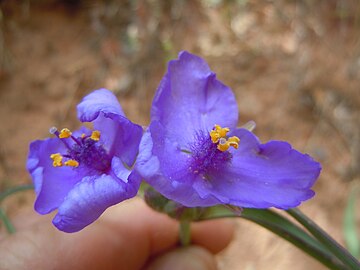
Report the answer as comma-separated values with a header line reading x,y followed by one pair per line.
x,y
83,150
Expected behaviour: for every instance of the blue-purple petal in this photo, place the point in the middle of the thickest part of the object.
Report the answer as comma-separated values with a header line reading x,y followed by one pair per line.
x,y
119,135
101,100
190,98
51,183
167,171
173,160
120,170
265,175
89,199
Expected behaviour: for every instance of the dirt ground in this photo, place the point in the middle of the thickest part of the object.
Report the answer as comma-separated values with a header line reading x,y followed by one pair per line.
x,y
293,65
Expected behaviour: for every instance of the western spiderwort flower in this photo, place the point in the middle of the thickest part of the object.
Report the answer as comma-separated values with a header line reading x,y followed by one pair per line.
x,y
193,153
84,172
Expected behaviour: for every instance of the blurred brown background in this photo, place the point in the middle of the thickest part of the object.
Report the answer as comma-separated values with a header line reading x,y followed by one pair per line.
x,y
294,67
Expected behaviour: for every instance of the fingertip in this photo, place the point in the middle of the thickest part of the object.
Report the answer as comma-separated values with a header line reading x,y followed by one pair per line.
x,y
191,258
161,232
214,235
131,229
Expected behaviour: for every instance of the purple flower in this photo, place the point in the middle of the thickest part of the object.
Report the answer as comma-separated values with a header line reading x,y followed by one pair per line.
x,y
84,172
193,153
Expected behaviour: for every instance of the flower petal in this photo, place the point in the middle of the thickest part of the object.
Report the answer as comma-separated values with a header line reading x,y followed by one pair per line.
x,y
101,100
265,175
51,183
120,171
118,134
167,170
190,98
90,198
173,161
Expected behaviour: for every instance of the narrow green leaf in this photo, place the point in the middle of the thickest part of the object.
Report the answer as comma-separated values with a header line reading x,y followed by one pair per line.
x,y
350,234
282,227
14,190
341,253
8,225
268,216
261,215
294,234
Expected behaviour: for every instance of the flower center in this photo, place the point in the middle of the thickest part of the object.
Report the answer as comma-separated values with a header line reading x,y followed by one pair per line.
x,y
84,150
209,151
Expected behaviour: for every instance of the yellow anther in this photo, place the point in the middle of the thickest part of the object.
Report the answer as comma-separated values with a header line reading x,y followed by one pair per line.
x,y
65,133
234,142
72,163
214,136
223,145
57,159
218,135
83,135
222,131
95,135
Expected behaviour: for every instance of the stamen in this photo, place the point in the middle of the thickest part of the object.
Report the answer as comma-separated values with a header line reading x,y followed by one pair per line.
x,y
57,159
95,135
218,135
223,145
222,131
214,136
72,163
55,132
75,140
65,133
234,142
86,151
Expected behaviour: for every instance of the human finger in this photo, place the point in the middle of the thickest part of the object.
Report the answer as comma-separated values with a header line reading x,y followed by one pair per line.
x,y
123,238
190,258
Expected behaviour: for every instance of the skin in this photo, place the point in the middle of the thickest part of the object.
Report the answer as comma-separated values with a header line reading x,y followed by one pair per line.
x,y
128,236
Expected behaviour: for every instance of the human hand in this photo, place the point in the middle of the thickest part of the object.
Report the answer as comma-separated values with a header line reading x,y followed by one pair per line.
x,y
128,236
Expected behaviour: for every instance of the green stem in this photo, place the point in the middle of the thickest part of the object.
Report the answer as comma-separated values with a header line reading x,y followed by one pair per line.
x,y
185,233
13,190
341,253
8,225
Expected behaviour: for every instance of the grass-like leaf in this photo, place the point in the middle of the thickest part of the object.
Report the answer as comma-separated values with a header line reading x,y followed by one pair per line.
x,y
282,227
335,248
350,234
13,190
6,221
